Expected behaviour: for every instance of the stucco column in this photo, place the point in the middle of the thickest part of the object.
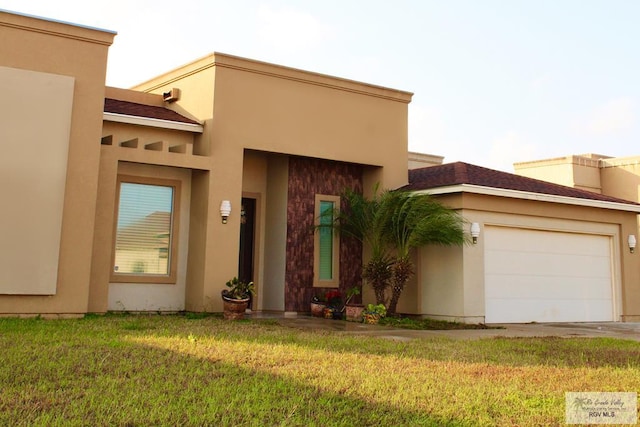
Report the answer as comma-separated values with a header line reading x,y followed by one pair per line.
x,y
103,237
223,240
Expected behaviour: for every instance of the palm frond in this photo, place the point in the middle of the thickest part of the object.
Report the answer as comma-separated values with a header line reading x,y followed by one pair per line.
x,y
414,220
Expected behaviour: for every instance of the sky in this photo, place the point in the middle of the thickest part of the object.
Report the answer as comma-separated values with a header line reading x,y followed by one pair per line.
x,y
494,81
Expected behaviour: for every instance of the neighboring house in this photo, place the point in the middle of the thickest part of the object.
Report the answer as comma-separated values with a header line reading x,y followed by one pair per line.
x,y
545,253
422,160
119,199
611,176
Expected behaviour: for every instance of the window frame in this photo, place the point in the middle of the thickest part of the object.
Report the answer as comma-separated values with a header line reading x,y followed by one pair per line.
x,y
334,282
172,261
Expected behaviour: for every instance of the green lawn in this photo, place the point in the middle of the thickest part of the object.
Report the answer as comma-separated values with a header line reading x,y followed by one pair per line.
x,y
177,370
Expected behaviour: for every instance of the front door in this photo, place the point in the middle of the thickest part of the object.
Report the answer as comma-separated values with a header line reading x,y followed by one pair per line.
x,y
247,234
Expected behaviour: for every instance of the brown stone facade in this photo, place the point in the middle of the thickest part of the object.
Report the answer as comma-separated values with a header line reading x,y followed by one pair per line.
x,y
308,177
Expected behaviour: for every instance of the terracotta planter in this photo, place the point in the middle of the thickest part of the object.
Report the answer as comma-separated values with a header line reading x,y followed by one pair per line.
x,y
234,308
354,312
317,309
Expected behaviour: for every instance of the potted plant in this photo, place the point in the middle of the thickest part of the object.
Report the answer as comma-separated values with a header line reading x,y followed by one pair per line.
x,y
353,311
333,310
373,313
235,299
318,304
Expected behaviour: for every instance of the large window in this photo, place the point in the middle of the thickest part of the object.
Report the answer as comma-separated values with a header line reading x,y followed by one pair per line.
x,y
327,243
146,230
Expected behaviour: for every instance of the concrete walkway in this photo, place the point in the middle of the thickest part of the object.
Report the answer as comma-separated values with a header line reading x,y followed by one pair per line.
x,y
628,331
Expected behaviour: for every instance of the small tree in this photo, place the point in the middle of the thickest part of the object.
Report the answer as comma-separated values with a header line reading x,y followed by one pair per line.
x,y
411,221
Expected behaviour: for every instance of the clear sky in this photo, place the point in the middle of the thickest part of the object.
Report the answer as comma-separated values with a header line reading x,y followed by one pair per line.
x,y
495,81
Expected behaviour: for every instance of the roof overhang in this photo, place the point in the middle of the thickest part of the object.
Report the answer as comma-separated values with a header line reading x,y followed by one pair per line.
x,y
525,195
157,123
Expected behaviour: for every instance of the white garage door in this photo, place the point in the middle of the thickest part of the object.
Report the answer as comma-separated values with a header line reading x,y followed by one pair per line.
x,y
546,276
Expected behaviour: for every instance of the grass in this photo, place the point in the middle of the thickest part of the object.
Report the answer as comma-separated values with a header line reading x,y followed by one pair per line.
x,y
192,370
430,324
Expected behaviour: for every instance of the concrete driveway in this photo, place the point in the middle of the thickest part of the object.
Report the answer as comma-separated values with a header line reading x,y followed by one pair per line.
x,y
628,331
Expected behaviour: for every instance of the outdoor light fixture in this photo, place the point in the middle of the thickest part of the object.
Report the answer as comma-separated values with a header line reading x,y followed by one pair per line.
x,y
225,210
475,232
632,243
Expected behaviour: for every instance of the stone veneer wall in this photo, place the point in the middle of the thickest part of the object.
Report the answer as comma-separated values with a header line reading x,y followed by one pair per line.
x,y
308,177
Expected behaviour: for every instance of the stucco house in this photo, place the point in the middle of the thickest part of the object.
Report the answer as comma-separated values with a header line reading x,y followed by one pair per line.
x,y
151,198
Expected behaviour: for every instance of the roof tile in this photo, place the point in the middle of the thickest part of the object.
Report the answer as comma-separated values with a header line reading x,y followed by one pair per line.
x,y
117,106
464,173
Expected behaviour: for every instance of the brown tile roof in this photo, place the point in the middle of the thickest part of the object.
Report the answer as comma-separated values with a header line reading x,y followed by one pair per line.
x,y
464,173
141,110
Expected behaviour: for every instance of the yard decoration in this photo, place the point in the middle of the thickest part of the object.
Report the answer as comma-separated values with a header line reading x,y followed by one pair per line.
x,y
318,304
327,304
334,307
317,308
328,312
373,313
236,299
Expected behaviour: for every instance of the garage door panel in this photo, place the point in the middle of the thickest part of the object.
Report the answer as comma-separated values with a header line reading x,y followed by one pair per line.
x,y
523,310
554,264
547,276
520,286
552,242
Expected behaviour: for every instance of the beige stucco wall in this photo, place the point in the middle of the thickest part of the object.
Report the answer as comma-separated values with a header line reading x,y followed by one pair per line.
x,y
587,177
272,108
557,170
621,178
440,279
275,233
452,279
33,170
198,225
423,160
196,82
77,53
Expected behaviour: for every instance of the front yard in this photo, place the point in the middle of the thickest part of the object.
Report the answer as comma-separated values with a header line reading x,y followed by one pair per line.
x,y
183,370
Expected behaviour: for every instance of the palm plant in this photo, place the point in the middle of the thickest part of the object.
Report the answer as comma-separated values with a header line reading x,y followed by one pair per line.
x,y
361,219
411,221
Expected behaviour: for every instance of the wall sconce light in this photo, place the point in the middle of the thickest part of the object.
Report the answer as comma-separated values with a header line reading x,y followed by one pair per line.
x,y
632,243
225,210
475,232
